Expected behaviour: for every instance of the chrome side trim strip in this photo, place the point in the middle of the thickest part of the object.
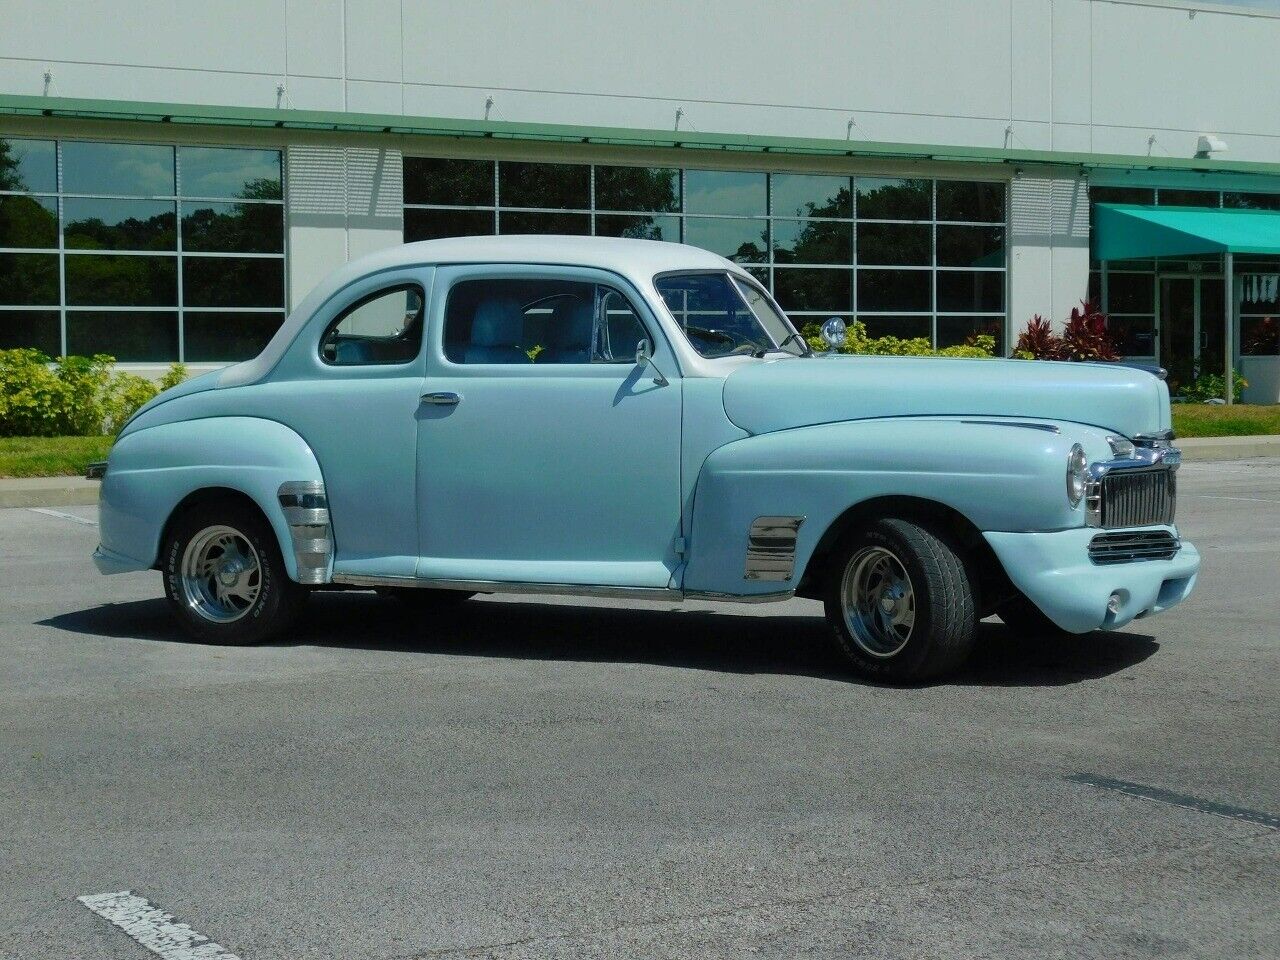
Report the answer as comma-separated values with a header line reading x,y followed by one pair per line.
x,y
771,548
1024,424
557,589
306,511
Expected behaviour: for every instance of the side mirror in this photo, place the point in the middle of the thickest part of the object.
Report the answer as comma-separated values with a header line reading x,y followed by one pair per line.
x,y
644,358
834,332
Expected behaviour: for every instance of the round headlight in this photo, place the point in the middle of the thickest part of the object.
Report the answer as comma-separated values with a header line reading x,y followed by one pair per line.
x,y
1077,475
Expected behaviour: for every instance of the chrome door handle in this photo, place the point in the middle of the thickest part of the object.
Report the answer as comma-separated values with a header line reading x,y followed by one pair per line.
x,y
444,398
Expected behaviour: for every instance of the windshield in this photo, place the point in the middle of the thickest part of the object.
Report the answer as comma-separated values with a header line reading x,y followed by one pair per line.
x,y
726,316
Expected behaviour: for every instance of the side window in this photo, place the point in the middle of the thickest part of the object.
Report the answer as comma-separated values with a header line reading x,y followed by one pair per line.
x,y
539,321
383,328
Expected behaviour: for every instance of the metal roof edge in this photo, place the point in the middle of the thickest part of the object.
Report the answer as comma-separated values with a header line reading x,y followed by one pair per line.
x,y
341,121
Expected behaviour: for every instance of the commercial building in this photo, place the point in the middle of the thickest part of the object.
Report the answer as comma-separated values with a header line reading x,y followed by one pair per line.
x,y
174,175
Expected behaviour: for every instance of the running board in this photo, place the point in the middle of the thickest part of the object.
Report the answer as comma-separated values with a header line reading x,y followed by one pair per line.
x,y
558,589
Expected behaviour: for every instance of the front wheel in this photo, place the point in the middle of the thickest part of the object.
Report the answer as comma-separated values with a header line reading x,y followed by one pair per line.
x,y
224,577
901,602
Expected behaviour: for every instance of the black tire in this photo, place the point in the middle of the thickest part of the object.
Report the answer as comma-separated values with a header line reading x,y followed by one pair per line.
x,y
1026,620
938,592
266,605
425,599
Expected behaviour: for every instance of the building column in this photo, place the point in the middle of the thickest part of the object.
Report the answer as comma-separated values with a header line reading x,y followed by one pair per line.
x,y
1048,248
1229,316
341,203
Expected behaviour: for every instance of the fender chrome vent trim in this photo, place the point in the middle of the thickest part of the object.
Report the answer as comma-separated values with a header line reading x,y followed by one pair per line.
x,y
771,548
306,511
1129,547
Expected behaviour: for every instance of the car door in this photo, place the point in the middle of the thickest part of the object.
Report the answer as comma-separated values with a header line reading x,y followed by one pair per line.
x,y
545,453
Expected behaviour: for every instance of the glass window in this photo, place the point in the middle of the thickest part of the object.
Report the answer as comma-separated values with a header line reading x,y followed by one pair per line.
x,y
119,224
28,279
1134,336
726,193
740,240
1251,201
232,172
829,291
812,241
141,337
554,186
210,226
970,201
508,321
970,246
883,198
127,169
1259,292
434,224
638,227
907,291
121,281
1187,198
459,183
383,328
517,221
805,195
41,329
717,319
1130,292
649,189
971,292
29,165
232,281
904,328
962,331
221,337
1259,336
28,222
895,244
1143,196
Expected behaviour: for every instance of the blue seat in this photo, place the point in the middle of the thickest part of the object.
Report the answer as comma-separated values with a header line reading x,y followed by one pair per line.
x,y
569,333
496,332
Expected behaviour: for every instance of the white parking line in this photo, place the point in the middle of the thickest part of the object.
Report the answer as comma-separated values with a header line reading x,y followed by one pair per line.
x,y
154,929
63,516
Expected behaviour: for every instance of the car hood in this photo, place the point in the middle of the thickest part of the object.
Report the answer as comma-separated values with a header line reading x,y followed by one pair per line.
x,y
797,392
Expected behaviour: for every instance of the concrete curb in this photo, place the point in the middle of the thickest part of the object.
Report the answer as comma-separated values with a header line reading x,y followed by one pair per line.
x,y
49,492
79,492
1229,448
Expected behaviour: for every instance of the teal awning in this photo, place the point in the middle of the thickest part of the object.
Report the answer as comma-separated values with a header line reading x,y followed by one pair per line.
x,y
1126,232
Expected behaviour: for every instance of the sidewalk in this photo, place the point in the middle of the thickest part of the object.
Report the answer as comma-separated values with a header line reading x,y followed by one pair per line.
x,y
77,491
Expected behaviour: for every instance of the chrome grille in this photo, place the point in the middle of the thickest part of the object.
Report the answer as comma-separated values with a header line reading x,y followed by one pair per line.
x,y
1135,498
1128,547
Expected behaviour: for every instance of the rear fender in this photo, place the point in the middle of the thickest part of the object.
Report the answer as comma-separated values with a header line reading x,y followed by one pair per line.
x,y
152,470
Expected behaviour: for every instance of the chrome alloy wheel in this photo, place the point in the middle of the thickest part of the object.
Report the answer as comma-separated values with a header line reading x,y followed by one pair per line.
x,y
878,602
221,574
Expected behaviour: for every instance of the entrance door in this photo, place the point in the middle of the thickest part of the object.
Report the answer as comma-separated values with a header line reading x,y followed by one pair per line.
x,y
1192,327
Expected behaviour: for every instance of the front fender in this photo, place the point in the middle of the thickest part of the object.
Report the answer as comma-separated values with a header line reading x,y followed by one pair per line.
x,y
1001,476
153,469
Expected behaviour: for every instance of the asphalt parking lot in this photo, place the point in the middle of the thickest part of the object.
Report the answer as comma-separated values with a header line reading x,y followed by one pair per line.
x,y
536,778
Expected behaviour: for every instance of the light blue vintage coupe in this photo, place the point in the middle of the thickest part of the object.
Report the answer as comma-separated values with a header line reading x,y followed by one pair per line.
x,y
637,419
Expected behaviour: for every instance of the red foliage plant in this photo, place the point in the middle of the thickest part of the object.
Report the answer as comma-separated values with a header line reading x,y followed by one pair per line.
x,y
1086,335
1039,340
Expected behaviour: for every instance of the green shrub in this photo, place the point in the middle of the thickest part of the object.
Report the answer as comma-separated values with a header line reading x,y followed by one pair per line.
x,y
1212,386
70,396
856,341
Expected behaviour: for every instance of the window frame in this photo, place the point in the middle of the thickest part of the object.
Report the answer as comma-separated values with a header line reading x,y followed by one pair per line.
x,y
363,300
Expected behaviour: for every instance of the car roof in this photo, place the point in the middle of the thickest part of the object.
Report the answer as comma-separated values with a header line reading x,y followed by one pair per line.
x,y
637,260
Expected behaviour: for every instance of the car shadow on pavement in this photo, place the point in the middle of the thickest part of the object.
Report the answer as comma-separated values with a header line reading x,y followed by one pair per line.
x,y
658,634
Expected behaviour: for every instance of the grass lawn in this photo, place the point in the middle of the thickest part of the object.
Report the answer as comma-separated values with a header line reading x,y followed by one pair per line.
x,y
50,456
1219,420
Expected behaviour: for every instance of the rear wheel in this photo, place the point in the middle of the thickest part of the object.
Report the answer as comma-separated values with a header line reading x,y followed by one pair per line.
x,y
901,602
225,578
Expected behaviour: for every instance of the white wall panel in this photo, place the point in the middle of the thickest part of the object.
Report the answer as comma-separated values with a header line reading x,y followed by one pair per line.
x,y
314,33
